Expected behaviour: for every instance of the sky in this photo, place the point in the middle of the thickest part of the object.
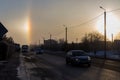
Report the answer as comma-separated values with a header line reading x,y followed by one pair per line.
x,y
32,21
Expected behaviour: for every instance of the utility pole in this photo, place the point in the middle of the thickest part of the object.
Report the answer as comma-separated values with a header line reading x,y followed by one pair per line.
x,y
43,42
112,41
112,38
39,42
50,36
91,43
104,31
66,34
76,40
66,47
50,41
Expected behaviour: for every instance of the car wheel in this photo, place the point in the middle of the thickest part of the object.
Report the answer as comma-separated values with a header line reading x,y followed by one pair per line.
x,y
67,62
89,64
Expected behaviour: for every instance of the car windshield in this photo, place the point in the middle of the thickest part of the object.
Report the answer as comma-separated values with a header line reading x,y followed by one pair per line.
x,y
78,53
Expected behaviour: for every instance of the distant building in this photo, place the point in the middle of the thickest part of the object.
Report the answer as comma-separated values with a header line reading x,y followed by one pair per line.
x,y
116,44
50,42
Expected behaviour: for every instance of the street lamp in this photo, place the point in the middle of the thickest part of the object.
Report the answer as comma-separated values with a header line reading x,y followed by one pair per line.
x,y
104,30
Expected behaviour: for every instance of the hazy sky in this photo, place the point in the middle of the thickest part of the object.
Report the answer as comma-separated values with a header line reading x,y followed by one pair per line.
x,y
29,21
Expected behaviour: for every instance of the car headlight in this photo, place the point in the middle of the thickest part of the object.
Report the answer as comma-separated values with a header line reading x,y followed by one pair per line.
x,y
89,58
76,59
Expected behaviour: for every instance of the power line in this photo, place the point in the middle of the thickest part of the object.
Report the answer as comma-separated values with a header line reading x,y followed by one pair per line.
x,y
59,33
86,21
94,18
113,10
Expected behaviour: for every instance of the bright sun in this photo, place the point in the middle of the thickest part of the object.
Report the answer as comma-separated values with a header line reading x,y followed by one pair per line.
x,y
112,25
26,26
27,30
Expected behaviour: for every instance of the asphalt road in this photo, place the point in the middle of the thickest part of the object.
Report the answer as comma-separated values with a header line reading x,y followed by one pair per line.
x,y
50,67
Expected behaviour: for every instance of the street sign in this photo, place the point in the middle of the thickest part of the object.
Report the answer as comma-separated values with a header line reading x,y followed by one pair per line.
x,y
3,30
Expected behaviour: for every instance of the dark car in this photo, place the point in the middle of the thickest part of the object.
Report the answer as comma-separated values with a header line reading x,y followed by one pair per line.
x,y
77,57
39,51
25,48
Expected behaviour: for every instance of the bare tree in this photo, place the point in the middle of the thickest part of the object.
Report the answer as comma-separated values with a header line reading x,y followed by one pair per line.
x,y
92,41
116,44
8,39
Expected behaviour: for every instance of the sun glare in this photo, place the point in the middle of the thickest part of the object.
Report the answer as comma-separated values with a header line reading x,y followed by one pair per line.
x,y
26,26
27,30
112,25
